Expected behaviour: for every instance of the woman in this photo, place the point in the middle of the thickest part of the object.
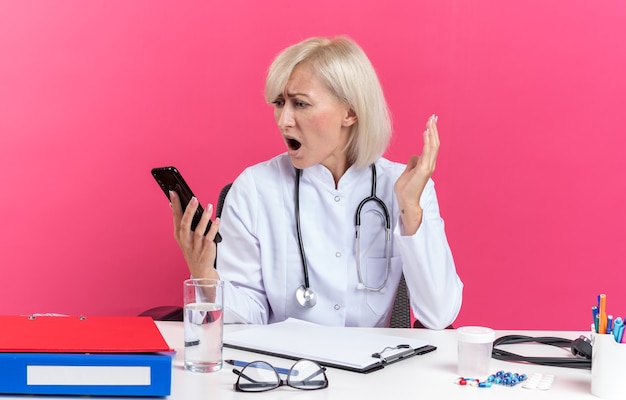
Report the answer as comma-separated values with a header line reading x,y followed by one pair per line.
x,y
289,247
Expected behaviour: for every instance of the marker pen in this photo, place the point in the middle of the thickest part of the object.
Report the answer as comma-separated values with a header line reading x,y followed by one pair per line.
x,y
617,327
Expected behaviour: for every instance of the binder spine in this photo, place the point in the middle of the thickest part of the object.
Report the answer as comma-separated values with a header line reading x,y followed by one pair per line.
x,y
86,374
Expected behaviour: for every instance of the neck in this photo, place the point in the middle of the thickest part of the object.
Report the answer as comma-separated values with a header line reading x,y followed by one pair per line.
x,y
338,170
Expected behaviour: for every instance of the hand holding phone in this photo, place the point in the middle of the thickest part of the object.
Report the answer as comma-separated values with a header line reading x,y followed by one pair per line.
x,y
169,178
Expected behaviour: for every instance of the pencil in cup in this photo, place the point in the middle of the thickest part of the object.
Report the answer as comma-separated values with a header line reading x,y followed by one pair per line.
x,y
604,323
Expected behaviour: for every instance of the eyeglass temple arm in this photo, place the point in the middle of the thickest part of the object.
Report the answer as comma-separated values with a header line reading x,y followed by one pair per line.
x,y
309,378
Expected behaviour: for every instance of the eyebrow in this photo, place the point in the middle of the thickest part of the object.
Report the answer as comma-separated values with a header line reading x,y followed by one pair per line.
x,y
297,94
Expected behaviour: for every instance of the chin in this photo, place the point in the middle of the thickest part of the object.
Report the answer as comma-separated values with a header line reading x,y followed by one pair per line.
x,y
299,163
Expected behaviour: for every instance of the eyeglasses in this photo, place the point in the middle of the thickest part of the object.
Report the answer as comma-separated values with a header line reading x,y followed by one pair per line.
x,y
260,376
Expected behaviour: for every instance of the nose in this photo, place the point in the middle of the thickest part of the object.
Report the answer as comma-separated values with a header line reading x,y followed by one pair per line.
x,y
284,117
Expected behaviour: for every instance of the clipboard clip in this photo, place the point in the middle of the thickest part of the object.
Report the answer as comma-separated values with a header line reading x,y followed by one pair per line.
x,y
404,351
400,352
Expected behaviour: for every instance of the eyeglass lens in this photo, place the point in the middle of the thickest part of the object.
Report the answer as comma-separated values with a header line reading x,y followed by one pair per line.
x,y
260,376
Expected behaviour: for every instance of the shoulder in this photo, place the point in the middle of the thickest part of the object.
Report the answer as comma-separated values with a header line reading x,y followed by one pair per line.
x,y
388,168
258,187
276,166
268,176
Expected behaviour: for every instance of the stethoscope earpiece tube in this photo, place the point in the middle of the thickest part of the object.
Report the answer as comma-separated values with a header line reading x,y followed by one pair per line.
x,y
582,361
357,222
305,296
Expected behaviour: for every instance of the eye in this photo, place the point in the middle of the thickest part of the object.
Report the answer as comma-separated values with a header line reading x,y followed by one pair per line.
x,y
278,102
300,104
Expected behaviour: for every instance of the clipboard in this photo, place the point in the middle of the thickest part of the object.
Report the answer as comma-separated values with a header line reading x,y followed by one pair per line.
x,y
336,347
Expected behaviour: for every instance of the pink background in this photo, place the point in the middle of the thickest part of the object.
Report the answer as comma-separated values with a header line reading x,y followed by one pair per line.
x,y
530,177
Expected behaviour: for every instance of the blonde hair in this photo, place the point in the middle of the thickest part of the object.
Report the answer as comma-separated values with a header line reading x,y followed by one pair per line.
x,y
349,74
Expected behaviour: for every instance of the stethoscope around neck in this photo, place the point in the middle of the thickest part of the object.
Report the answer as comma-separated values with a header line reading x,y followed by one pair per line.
x,y
305,296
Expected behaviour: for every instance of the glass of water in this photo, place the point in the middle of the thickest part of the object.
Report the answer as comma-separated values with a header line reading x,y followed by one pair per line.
x,y
204,324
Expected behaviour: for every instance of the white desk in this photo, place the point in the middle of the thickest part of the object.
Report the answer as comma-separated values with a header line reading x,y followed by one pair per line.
x,y
430,376
421,377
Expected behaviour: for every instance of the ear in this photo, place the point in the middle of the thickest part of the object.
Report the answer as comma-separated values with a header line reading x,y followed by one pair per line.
x,y
350,118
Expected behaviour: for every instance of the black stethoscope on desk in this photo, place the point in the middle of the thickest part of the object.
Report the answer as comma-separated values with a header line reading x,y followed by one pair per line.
x,y
305,296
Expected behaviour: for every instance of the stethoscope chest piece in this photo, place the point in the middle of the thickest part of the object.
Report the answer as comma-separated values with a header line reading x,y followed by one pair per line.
x,y
306,297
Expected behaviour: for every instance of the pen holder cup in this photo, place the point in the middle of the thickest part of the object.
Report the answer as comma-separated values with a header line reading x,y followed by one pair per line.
x,y
607,367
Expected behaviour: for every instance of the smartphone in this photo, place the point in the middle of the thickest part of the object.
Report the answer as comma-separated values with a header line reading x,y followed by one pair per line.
x,y
169,178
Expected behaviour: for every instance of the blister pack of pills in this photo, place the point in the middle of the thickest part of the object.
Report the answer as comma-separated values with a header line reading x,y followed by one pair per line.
x,y
539,381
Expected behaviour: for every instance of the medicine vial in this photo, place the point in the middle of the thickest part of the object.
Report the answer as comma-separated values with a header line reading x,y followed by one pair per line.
x,y
475,344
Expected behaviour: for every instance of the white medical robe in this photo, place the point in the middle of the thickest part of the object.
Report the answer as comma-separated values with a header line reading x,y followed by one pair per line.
x,y
260,262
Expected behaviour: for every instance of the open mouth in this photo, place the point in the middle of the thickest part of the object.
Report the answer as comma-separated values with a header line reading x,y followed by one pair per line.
x,y
293,144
